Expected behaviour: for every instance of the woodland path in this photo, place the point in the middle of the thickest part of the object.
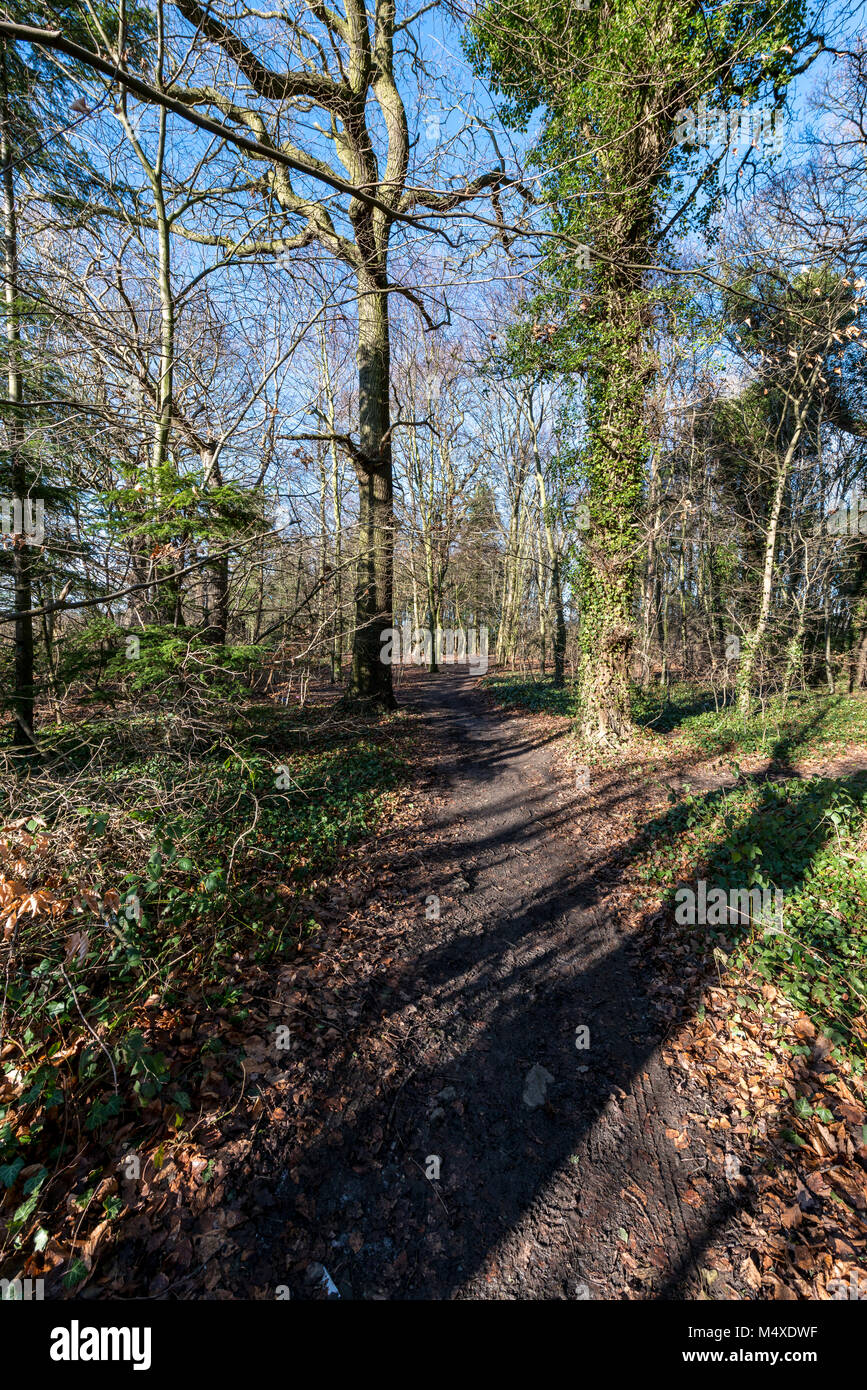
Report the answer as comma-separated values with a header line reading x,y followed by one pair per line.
x,y
533,1200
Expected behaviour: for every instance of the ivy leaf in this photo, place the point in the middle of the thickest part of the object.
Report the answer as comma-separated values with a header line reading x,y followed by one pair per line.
x,y
9,1171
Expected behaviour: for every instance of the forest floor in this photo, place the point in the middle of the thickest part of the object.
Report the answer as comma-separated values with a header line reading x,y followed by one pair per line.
x,y
440,1125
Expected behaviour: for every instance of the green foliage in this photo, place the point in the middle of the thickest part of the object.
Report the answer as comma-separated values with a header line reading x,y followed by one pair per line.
x,y
221,864
87,649
169,657
801,726
537,696
610,89
166,507
40,90
783,729
806,838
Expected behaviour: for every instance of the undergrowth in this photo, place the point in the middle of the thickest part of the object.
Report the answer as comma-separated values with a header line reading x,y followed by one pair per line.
x,y
807,838
146,861
804,724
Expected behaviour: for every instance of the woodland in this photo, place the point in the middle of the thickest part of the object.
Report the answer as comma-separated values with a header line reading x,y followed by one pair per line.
x,y
433,495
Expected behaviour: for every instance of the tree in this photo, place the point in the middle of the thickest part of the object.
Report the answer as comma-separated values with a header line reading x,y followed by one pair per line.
x,y
793,333
616,85
336,63
345,66
33,106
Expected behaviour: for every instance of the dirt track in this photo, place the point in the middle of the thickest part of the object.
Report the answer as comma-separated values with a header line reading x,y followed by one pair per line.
x,y
568,1187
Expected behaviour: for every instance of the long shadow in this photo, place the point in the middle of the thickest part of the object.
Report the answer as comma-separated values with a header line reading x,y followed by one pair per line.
x,y
423,1164
670,714
797,853
784,746
514,994
504,993
503,1157
790,859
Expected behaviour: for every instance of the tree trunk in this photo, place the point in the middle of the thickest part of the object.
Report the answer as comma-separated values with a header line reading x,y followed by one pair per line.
x,y
370,680
216,578
559,623
858,658
752,642
167,599
553,549
651,585
614,463
860,669
23,699
337,596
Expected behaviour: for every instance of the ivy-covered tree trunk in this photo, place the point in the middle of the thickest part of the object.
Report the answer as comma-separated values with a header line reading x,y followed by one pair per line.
x,y
614,464
617,88
650,587
559,623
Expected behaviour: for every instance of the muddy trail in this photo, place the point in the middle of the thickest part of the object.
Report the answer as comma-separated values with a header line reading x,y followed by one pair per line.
x,y
493,1156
